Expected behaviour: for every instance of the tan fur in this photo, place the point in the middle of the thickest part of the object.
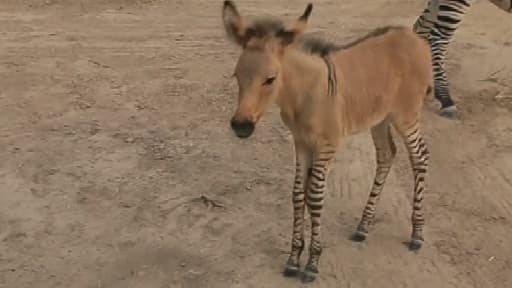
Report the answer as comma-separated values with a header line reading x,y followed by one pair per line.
x,y
378,76
387,74
327,92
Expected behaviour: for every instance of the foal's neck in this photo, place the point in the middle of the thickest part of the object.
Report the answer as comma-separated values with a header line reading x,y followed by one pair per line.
x,y
304,76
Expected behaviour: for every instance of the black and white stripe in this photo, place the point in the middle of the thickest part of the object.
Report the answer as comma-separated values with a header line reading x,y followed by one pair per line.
x,y
438,24
308,192
419,157
385,154
315,202
301,182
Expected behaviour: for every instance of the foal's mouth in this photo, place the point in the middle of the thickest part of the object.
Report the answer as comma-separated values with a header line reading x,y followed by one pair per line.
x,y
242,129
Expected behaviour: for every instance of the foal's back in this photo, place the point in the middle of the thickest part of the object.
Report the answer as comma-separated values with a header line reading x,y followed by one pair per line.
x,y
387,72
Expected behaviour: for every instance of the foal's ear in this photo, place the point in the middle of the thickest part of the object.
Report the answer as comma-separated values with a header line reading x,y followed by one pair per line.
x,y
233,22
291,34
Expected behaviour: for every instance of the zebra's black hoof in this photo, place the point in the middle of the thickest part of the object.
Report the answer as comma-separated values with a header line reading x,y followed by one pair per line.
x,y
291,270
450,112
415,244
359,236
309,276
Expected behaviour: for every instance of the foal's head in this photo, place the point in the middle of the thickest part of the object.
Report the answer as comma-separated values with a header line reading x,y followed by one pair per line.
x,y
258,70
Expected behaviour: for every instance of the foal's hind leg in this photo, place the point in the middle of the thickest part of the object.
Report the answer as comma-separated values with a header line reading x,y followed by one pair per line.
x,y
419,157
386,151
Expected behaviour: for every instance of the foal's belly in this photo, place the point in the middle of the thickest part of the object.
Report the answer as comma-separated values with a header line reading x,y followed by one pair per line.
x,y
364,123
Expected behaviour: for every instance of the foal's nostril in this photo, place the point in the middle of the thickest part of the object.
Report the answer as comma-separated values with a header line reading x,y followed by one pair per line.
x,y
243,129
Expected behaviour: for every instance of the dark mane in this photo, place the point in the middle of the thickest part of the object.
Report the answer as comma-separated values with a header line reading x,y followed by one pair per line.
x,y
272,27
316,45
374,33
322,47
265,27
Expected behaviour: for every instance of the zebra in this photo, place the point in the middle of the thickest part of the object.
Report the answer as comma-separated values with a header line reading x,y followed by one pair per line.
x,y
437,24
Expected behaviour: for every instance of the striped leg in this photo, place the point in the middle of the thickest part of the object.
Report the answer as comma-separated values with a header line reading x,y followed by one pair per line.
x,y
449,17
426,20
315,201
419,157
385,153
302,171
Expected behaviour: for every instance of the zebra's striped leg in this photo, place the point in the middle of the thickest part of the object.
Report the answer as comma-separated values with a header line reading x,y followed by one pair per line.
x,y
302,171
315,202
385,153
449,17
426,20
441,89
419,157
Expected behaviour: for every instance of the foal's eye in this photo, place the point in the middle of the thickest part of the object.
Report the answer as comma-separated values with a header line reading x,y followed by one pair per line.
x,y
269,81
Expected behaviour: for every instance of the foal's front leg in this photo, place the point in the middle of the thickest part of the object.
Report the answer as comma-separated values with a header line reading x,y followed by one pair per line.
x,y
302,172
315,201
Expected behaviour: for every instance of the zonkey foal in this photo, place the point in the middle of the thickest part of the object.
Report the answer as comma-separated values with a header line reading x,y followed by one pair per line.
x,y
325,93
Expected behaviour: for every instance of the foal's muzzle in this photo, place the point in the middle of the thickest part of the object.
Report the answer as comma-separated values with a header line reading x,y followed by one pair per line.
x,y
242,128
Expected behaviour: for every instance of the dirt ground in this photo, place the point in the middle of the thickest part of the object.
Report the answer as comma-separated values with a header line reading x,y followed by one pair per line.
x,y
118,167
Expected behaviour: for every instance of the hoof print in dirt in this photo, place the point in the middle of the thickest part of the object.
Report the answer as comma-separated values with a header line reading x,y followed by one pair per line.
x,y
359,236
291,271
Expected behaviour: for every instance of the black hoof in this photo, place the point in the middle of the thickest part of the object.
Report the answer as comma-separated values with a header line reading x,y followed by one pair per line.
x,y
450,112
291,270
308,276
415,244
359,236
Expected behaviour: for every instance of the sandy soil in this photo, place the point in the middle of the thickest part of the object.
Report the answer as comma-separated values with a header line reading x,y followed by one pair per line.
x,y
118,168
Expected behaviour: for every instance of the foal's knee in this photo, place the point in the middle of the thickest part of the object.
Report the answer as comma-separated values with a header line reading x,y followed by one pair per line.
x,y
387,156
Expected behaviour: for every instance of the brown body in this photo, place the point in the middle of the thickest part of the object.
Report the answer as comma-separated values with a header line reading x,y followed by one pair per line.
x,y
386,74
326,93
